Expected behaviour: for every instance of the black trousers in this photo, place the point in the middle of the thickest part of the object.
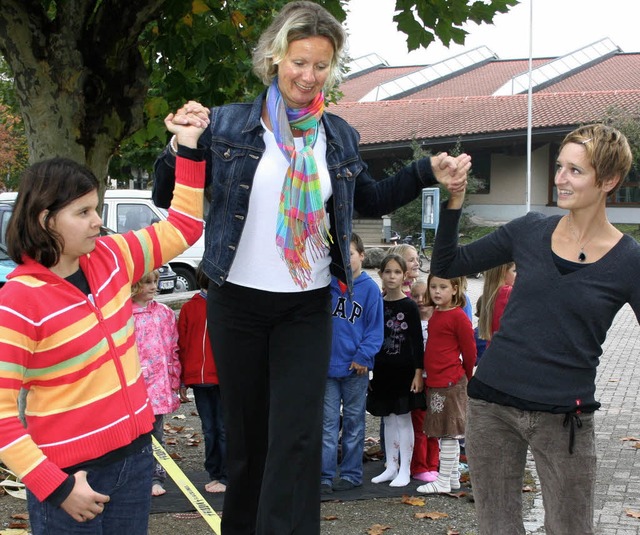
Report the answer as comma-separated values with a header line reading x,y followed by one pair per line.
x,y
272,352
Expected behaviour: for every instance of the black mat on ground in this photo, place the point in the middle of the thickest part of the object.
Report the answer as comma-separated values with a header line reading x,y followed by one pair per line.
x,y
174,501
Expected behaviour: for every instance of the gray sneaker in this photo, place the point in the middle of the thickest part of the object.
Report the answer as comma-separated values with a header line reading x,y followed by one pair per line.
x,y
325,488
343,484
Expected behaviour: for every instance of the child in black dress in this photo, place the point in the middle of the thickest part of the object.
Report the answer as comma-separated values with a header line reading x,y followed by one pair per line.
x,y
396,387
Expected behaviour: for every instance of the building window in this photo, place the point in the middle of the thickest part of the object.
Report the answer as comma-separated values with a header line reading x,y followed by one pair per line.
x,y
481,172
629,191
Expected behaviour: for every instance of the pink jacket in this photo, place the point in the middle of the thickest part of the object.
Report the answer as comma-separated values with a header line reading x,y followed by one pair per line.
x,y
157,340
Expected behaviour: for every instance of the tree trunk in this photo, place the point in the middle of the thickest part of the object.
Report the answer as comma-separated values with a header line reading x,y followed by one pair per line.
x,y
79,75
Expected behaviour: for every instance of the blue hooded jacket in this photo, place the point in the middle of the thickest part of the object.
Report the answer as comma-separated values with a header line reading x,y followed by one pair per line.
x,y
358,324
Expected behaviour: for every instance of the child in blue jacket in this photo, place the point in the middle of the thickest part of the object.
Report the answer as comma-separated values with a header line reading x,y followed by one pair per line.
x,y
357,336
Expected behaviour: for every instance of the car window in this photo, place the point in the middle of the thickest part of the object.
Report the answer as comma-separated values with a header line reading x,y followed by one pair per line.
x,y
5,215
134,217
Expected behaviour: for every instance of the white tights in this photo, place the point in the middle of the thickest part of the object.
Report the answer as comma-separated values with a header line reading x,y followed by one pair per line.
x,y
398,444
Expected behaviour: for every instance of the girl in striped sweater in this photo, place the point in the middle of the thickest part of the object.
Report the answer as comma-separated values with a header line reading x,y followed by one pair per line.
x,y
67,338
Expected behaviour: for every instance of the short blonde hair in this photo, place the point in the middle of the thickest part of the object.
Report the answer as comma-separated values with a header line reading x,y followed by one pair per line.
x,y
152,276
607,149
298,20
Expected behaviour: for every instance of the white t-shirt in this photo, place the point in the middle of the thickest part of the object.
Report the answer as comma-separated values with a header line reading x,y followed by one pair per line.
x,y
257,263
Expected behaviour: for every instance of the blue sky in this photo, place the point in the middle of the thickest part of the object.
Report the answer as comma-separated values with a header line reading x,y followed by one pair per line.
x,y
559,27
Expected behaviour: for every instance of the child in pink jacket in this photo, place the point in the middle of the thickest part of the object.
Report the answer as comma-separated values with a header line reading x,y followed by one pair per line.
x,y
157,340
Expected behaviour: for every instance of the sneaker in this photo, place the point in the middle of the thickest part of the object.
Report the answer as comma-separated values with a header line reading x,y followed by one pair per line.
x,y
325,488
343,484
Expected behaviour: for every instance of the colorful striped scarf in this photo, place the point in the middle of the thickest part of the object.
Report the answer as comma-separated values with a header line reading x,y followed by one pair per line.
x,y
301,219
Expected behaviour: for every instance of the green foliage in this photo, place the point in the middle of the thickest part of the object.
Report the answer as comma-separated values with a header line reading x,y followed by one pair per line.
x,y
629,125
423,21
14,154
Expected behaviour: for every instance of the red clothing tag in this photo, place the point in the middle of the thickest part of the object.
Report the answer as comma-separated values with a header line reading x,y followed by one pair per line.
x,y
343,287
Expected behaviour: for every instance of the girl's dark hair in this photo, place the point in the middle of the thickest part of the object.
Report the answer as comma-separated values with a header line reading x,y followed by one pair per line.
x,y
397,258
201,277
47,185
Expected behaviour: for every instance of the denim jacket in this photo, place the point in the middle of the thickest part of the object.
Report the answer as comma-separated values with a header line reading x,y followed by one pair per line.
x,y
233,145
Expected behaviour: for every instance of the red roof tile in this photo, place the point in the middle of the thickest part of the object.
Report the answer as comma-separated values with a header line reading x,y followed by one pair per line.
x,y
405,120
462,105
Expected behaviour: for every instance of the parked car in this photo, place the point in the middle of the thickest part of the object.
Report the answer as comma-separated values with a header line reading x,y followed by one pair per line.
x,y
6,265
168,278
128,209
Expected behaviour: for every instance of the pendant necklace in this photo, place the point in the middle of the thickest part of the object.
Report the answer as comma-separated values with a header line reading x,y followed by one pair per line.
x,y
581,256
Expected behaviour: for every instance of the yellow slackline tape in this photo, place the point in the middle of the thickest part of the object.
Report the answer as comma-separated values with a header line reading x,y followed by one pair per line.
x,y
187,488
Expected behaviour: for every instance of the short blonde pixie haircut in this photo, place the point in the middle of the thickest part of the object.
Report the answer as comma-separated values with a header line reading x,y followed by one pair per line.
x,y
298,20
152,276
607,149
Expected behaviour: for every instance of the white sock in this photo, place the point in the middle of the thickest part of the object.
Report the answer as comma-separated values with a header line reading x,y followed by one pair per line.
x,y
449,457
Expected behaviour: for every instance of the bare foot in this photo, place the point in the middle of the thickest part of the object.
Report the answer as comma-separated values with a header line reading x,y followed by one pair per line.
x,y
157,490
215,487
210,485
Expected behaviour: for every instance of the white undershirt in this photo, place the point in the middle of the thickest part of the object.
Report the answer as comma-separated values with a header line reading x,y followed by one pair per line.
x,y
257,263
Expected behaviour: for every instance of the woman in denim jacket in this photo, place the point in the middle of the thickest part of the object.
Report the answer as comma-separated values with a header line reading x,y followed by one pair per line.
x,y
284,179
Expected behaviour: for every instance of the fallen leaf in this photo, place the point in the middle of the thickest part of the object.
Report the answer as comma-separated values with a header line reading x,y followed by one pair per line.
x,y
527,488
18,525
171,441
175,456
20,516
459,494
630,438
451,531
377,529
330,517
632,514
413,500
637,445
14,532
179,416
432,515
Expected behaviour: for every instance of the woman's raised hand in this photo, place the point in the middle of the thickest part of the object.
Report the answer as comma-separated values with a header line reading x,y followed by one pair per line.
x,y
188,123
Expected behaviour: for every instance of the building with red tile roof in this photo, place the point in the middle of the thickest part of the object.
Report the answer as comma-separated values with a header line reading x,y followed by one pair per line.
x,y
481,102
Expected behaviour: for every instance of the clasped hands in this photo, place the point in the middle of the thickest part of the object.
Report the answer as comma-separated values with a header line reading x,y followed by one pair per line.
x,y
451,171
188,123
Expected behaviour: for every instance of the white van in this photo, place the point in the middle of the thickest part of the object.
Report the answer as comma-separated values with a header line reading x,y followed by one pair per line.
x,y
131,209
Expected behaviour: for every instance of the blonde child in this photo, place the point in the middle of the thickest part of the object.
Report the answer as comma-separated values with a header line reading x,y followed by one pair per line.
x,y
450,337
156,333
498,282
426,450
396,387
410,255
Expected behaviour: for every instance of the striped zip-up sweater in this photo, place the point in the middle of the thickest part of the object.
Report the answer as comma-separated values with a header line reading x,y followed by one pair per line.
x,y
76,354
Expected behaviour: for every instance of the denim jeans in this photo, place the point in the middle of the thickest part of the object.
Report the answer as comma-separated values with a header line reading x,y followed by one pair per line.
x,y
209,407
497,439
128,484
352,392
